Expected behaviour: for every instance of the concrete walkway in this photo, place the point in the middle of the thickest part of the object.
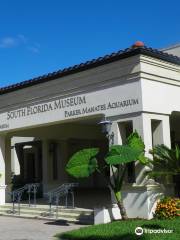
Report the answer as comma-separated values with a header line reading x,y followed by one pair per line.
x,y
29,229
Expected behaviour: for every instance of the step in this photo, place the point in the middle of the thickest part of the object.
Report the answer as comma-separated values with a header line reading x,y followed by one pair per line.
x,y
39,213
28,216
44,214
61,210
85,216
42,208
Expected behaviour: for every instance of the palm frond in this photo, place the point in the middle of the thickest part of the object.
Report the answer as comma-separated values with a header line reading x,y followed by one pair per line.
x,y
165,160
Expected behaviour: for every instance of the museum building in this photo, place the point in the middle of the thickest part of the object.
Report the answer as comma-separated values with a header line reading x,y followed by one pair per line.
x,y
43,121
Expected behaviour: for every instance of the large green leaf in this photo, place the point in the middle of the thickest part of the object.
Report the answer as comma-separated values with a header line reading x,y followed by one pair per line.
x,y
135,141
83,163
144,160
119,154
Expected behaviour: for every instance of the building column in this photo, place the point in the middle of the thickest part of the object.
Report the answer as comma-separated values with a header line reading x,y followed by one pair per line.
x,y
154,129
2,170
8,170
116,141
63,159
142,124
45,165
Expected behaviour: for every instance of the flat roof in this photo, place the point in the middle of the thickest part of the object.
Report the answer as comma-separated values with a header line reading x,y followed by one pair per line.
x,y
115,56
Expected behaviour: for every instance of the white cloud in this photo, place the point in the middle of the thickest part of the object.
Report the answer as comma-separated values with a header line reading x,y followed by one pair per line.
x,y
34,49
19,40
8,42
22,38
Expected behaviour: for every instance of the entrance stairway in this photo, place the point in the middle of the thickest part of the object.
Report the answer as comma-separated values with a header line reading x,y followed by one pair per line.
x,y
69,215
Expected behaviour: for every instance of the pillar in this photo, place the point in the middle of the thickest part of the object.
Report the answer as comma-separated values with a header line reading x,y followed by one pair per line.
x,y
154,129
117,141
2,170
8,170
63,159
45,165
142,124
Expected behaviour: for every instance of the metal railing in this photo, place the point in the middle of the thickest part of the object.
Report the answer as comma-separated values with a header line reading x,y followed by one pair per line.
x,y
58,193
32,188
16,195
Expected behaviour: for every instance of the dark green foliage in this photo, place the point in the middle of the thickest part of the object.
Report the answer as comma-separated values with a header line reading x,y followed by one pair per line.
x,y
135,141
83,163
143,159
166,160
120,154
166,164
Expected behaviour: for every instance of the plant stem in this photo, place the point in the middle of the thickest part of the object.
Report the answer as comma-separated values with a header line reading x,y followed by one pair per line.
x,y
121,205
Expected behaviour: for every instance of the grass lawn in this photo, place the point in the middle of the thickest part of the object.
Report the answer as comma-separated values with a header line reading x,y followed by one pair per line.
x,y
125,230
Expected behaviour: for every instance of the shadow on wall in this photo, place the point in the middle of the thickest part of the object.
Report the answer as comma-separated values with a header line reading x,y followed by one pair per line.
x,y
92,197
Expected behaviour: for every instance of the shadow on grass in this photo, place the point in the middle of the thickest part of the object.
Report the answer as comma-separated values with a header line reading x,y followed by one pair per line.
x,y
128,236
152,226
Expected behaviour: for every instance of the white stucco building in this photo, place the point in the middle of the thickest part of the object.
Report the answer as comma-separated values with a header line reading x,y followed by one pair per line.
x,y
46,119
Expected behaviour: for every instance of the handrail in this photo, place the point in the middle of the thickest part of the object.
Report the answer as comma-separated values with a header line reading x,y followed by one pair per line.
x,y
16,197
17,194
32,188
61,191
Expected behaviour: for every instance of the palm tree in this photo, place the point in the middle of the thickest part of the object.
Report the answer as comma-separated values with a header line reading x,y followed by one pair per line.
x,y
166,162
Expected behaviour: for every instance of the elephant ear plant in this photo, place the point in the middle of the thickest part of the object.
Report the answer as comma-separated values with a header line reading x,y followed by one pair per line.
x,y
85,162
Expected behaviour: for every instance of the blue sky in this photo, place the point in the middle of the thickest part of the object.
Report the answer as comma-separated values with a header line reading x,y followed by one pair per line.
x,y
41,36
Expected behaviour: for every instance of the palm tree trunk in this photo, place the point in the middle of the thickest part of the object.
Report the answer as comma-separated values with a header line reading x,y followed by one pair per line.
x,y
121,205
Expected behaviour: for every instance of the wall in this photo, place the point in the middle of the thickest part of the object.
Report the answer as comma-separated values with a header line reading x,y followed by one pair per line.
x,y
123,99
160,97
139,202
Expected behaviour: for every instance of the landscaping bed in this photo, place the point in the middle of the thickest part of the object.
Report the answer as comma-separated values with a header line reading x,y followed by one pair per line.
x,y
126,230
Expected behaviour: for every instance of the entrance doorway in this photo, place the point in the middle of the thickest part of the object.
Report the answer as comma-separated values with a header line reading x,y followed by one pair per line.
x,y
30,158
30,164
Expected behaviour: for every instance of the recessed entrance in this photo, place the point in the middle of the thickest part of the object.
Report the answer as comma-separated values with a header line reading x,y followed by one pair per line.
x,y
44,158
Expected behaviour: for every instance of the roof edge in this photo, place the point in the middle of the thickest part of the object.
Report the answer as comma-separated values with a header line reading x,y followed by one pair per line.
x,y
115,56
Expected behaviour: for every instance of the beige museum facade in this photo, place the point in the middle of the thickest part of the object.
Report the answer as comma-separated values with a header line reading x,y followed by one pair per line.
x,y
45,120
